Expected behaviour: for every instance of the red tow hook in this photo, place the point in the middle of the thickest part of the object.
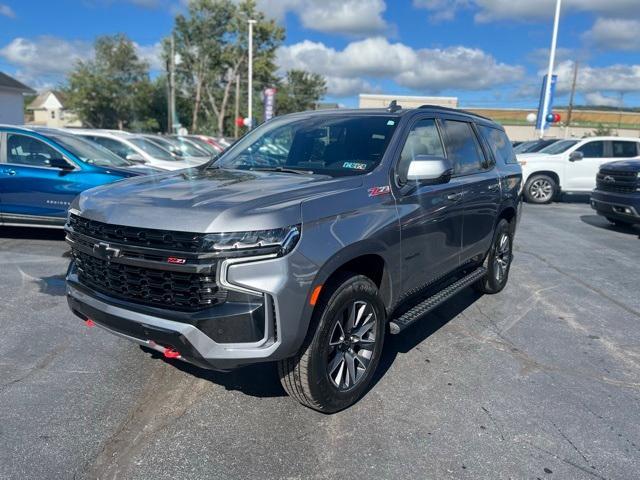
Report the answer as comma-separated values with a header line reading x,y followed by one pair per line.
x,y
171,353
89,323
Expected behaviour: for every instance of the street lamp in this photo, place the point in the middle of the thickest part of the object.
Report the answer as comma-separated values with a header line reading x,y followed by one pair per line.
x,y
552,59
250,75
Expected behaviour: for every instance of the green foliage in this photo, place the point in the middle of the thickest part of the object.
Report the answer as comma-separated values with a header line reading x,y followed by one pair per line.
x,y
602,131
212,44
110,91
299,91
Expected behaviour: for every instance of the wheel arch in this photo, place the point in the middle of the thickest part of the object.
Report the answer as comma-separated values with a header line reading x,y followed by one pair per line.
x,y
549,173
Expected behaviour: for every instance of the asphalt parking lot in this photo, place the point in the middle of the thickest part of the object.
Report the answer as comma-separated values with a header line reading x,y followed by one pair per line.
x,y
541,381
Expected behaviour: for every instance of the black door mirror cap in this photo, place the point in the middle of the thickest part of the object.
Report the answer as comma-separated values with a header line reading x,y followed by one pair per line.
x,y
60,163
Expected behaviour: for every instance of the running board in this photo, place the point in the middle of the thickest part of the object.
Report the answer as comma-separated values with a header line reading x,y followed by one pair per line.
x,y
408,318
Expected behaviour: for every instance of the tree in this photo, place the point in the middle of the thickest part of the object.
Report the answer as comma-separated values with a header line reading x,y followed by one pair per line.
x,y
212,45
111,90
299,91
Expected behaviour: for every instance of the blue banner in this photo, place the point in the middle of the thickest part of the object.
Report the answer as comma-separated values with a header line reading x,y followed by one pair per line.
x,y
541,123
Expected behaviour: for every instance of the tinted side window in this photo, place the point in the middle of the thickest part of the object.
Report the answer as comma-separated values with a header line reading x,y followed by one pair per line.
x,y
625,149
25,150
592,149
499,144
462,147
423,139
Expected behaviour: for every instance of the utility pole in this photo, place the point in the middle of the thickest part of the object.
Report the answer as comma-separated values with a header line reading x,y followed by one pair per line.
x,y
235,123
552,59
573,93
250,88
168,96
172,86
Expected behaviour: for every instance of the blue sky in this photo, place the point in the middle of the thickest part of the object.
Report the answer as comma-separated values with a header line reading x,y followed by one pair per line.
x,y
486,52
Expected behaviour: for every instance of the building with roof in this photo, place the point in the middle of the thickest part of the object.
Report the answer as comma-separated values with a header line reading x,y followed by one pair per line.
x,y
49,111
12,94
406,101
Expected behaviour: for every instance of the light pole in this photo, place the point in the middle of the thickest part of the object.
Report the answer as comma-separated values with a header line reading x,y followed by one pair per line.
x,y
552,59
250,75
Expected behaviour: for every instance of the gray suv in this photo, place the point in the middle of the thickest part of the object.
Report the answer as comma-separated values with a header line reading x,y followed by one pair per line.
x,y
304,243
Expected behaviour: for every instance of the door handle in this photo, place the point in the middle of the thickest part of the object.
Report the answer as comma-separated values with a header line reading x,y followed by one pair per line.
x,y
9,171
454,197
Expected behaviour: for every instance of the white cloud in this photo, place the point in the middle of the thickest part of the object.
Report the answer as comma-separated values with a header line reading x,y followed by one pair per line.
x,y
427,70
7,11
351,17
44,61
615,34
613,78
600,100
347,87
492,10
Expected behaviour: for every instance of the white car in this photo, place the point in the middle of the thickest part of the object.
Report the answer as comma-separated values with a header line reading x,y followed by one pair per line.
x,y
571,165
136,148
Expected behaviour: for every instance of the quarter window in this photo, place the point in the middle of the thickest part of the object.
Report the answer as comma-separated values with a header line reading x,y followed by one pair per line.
x,y
462,147
25,150
423,139
625,149
592,149
499,144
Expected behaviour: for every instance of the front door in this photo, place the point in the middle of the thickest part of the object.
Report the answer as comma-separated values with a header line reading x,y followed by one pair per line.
x,y
580,175
430,215
30,189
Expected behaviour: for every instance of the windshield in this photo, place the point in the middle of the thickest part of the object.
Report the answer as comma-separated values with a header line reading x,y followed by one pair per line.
x,y
89,152
335,145
151,148
559,147
524,146
189,148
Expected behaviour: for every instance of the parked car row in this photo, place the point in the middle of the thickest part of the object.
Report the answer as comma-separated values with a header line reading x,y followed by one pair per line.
x,y
43,169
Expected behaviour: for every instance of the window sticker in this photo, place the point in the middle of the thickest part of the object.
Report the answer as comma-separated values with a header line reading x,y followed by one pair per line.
x,y
354,166
391,123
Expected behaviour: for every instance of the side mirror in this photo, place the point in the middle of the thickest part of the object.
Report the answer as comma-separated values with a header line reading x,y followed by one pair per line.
x,y
136,158
430,169
60,163
576,156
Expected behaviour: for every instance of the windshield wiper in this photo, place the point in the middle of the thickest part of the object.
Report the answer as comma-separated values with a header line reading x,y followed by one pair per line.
x,y
282,170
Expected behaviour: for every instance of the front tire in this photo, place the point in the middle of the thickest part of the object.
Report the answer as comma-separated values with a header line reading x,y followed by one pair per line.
x,y
540,189
343,347
498,261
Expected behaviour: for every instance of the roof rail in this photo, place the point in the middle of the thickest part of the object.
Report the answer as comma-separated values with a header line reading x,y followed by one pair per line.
x,y
455,110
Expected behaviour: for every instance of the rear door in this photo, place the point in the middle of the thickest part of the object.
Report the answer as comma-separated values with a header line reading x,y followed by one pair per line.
x,y
480,184
31,190
430,215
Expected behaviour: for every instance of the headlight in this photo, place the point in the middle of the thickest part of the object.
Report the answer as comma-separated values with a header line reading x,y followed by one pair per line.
x,y
278,240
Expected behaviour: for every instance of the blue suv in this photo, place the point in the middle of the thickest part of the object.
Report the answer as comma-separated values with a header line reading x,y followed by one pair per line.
x,y
41,172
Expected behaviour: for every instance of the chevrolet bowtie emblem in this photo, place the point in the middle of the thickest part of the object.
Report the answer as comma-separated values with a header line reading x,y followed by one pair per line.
x,y
105,251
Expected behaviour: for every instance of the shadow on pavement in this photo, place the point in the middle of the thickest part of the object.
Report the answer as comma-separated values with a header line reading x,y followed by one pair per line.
x,y
32,233
574,198
603,223
261,380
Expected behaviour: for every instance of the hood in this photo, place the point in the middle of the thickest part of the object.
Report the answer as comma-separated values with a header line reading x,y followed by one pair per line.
x,y
630,165
208,200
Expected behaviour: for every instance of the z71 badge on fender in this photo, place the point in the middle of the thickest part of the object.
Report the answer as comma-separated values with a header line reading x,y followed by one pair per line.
x,y
377,191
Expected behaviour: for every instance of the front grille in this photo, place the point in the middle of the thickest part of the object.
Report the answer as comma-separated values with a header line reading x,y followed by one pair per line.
x,y
153,287
141,237
623,182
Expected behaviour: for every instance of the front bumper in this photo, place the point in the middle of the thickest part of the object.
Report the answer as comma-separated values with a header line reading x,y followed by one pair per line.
x,y
283,284
621,206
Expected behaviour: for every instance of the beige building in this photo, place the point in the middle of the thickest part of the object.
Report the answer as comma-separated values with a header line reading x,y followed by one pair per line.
x,y
49,111
406,101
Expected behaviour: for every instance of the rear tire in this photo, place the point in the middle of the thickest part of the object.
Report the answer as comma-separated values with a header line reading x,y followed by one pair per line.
x,y
540,189
342,349
498,261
